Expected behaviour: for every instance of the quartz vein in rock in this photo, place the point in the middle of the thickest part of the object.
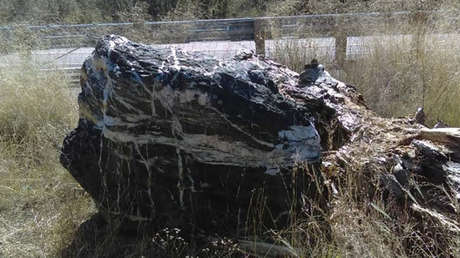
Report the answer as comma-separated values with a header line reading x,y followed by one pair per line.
x,y
181,137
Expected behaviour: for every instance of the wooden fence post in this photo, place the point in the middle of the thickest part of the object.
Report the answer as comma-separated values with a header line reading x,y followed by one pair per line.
x,y
340,42
340,48
259,36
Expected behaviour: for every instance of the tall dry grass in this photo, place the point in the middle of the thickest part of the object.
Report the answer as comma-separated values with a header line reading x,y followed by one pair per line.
x,y
396,76
40,204
395,72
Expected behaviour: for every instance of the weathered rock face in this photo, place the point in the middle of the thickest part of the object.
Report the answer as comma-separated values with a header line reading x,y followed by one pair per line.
x,y
177,138
168,136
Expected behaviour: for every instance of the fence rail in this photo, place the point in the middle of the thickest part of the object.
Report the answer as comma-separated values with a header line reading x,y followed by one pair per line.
x,y
259,29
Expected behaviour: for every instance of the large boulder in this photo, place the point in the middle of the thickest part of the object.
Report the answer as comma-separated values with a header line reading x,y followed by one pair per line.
x,y
171,138
174,137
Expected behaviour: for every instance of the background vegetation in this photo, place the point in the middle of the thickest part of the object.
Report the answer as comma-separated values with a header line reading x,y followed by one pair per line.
x,y
91,11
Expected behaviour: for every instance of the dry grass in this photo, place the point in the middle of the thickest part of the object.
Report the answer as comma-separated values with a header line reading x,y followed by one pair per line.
x,y
40,204
395,74
396,80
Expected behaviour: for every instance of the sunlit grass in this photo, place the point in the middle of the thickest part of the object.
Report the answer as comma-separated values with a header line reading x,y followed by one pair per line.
x,y
395,74
40,204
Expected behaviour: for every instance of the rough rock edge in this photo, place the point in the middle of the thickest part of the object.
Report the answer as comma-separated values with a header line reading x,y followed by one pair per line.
x,y
399,153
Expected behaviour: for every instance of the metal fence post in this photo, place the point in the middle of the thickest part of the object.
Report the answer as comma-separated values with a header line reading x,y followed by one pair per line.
x,y
420,20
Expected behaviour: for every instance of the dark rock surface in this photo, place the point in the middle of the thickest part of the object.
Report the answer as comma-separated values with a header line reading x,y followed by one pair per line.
x,y
170,136
173,138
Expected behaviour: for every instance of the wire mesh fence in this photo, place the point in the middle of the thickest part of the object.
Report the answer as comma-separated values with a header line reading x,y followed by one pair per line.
x,y
284,38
